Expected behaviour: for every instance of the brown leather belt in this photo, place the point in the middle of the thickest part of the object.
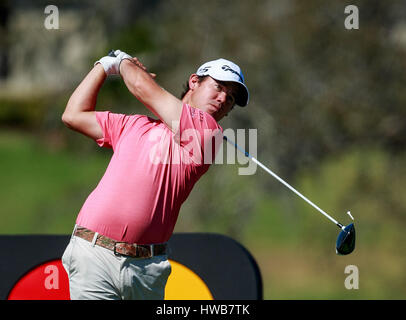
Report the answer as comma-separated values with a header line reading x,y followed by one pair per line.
x,y
122,248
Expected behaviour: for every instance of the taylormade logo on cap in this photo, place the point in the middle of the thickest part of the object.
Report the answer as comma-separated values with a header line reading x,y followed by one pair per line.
x,y
225,70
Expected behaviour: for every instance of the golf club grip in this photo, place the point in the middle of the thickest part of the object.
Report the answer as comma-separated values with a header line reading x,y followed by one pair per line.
x,y
111,54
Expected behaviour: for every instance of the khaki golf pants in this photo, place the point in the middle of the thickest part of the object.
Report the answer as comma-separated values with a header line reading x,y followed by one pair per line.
x,y
96,273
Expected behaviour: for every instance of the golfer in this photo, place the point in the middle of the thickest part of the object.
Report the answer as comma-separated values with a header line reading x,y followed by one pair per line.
x,y
118,249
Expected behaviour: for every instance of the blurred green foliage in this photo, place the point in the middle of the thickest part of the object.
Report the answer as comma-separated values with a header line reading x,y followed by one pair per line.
x,y
328,103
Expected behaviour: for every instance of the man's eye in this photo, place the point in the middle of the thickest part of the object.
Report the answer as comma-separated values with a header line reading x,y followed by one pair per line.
x,y
230,99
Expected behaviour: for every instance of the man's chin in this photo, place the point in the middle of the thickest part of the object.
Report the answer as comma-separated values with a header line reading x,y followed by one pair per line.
x,y
211,109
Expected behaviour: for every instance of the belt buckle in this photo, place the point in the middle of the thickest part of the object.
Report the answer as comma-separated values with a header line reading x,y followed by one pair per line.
x,y
139,251
129,254
115,249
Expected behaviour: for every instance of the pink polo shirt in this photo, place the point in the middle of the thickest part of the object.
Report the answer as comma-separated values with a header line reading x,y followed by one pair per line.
x,y
150,174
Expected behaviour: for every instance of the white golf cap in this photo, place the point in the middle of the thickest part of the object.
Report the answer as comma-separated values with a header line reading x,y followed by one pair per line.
x,y
225,70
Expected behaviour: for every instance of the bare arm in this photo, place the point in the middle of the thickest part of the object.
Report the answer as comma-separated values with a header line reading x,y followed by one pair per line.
x,y
141,84
79,113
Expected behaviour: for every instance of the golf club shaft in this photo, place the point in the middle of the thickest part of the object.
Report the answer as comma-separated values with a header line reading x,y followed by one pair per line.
x,y
283,182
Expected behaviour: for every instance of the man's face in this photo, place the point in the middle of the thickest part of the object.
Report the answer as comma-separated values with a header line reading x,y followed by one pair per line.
x,y
212,96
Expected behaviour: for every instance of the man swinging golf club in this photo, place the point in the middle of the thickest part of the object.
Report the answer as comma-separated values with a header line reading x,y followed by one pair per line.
x,y
118,246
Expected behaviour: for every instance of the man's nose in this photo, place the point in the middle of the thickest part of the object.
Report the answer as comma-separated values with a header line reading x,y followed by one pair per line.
x,y
222,97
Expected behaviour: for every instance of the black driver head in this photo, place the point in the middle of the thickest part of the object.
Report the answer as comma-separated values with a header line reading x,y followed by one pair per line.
x,y
346,240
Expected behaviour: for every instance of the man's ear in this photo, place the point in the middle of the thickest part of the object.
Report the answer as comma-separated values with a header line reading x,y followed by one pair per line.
x,y
193,81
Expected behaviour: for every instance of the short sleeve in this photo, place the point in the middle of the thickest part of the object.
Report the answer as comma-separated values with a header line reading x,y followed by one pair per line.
x,y
112,125
199,133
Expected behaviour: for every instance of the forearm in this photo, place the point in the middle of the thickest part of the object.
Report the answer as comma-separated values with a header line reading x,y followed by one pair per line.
x,y
85,95
143,86
137,80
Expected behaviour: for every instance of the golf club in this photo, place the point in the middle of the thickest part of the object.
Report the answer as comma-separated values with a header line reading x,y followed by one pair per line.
x,y
346,239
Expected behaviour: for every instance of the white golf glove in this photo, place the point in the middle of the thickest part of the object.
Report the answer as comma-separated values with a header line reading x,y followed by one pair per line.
x,y
111,65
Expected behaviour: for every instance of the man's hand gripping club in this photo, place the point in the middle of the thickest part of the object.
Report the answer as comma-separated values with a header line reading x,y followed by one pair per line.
x,y
111,63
